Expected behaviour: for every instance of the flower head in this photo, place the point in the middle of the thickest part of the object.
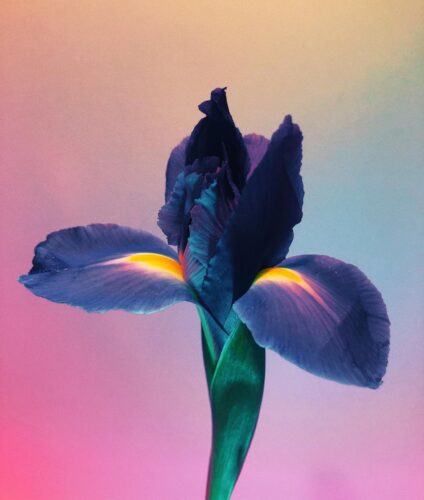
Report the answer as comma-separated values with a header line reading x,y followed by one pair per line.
x,y
231,203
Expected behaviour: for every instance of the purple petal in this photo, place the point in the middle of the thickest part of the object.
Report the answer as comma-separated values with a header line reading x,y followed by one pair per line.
x,y
323,315
256,146
104,266
259,232
216,135
209,217
175,166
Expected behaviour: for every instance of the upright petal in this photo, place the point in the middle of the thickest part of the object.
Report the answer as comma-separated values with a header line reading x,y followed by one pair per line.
x,y
175,166
259,232
174,216
216,135
215,150
104,266
256,146
209,217
323,315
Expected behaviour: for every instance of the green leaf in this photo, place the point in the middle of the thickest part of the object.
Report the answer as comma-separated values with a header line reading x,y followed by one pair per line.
x,y
235,390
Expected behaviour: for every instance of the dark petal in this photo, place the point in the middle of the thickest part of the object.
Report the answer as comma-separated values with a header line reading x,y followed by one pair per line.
x,y
217,107
259,232
174,216
104,266
171,215
175,166
217,135
209,217
323,315
256,146
206,165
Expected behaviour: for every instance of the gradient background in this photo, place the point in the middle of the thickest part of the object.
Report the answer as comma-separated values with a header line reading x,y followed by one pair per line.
x,y
93,97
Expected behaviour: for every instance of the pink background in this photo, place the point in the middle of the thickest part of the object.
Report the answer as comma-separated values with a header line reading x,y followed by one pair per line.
x,y
93,96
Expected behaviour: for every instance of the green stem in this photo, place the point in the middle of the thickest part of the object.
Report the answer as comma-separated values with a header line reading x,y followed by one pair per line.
x,y
235,380
210,351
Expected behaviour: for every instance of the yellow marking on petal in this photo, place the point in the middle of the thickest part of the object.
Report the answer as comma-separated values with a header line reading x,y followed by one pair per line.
x,y
289,277
156,262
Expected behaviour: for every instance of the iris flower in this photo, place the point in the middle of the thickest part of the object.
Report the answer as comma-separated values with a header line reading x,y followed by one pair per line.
x,y
231,203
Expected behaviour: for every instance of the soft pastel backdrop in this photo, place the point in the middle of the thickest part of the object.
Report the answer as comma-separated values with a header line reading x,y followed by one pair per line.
x,y
94,94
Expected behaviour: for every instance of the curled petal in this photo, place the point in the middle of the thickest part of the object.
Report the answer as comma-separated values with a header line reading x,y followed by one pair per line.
x,y
209,217
175,166
101,267
323,315
216,135
173,217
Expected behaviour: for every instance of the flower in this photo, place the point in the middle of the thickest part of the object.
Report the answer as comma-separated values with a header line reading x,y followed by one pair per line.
x,y
231,203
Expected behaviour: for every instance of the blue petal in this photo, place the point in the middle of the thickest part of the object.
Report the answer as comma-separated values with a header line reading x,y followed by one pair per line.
x,y
104,266
216,135
323,315
256,146
173,217
209,217
175,166
215,145
259,233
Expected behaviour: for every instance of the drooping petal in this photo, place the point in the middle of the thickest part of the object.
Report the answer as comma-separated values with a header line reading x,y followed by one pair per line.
x,y
259,232
323,315
105,266
256,146
216,135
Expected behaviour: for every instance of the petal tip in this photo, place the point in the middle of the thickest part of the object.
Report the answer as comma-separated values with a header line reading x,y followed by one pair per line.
x,y
375,384
21,279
